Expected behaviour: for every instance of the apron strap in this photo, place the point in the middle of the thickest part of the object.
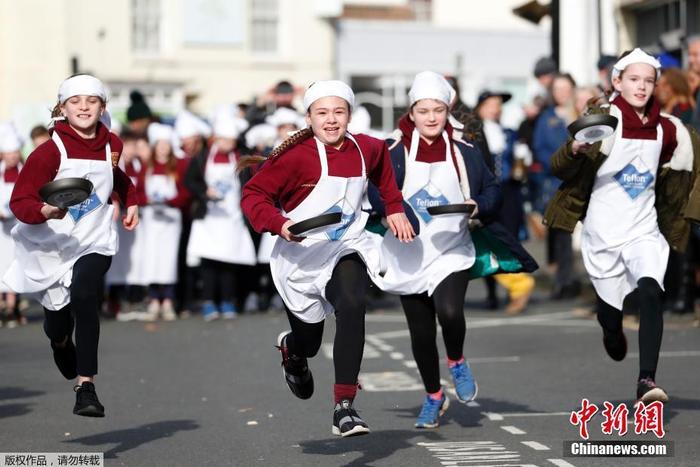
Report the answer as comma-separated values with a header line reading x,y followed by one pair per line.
x,y
59,144
322,157
362,156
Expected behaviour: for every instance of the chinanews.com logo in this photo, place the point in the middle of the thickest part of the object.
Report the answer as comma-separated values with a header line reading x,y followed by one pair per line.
x,y
646,419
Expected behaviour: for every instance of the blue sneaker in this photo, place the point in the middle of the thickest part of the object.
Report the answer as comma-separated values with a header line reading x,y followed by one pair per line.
x,y
465,384
209,311
432,409
228,310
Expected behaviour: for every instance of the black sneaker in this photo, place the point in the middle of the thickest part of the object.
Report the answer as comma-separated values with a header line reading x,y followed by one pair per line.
x,y
615,344
346,421
86,402
66,359
295,370
648,391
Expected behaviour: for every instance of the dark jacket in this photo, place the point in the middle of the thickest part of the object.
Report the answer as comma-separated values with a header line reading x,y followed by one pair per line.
x,y
677,191
491,238
195,182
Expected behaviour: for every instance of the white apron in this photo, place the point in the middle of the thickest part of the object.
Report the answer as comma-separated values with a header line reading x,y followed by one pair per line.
x,y
621,241
7,222
222,234
444,245
301,270
45,253
126,264
162,225
267,243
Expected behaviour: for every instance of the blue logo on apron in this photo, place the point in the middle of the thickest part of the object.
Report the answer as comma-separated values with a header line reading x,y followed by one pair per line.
x,y
345,221
223,187
422,200
632,181
79,211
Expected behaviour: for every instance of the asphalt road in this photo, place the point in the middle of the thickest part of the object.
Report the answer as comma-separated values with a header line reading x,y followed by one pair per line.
x,y
190,393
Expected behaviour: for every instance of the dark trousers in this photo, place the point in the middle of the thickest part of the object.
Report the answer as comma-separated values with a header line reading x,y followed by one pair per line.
x,y
447,304
82,312
651,323
218,280
346,291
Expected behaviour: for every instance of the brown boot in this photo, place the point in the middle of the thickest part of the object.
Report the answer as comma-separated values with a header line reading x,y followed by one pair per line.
x,y
517,305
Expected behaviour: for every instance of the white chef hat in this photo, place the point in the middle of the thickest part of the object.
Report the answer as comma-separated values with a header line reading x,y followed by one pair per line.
x,y
361,121
227,126
636,56
321,89
81,85
261,135
158,132
285,116
9,138
188,124
430,85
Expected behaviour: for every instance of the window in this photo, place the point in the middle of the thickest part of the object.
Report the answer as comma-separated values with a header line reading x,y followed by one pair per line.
x,y
145,25
422,10
265,19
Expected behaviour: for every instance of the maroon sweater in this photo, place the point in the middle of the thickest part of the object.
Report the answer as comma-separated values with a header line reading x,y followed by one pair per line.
x,y
183,197
11,174
289,178
427,152
43,164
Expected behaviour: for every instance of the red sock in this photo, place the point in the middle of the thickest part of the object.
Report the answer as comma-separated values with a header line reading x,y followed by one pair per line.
x,y
436,396
344,391
453,363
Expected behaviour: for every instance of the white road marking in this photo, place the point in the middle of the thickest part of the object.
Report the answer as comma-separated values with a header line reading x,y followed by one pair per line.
x,y
493,416
473,404
560,463
535,445
396,356
672,354
460,453
513,430
536,414
389,381
410,364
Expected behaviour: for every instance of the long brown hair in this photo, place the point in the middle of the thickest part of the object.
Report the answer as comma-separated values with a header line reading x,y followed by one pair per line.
x,y
294,139
170,166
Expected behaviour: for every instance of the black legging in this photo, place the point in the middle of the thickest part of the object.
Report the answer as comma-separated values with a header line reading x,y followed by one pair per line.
x,y
346,291
447,303
218,280
85,302
651,324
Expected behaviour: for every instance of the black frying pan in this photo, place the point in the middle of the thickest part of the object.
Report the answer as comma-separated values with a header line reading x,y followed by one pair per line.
x,y
66,192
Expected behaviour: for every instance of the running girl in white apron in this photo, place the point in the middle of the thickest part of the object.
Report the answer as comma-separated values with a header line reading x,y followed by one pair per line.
x,y
10,166
61,256
166,196
638,184
319,170
220,239
431,273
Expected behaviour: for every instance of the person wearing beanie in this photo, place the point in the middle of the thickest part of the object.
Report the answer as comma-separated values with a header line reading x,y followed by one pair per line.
x,y
219,239
62,255
138,114
634,193
431,274
319,170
